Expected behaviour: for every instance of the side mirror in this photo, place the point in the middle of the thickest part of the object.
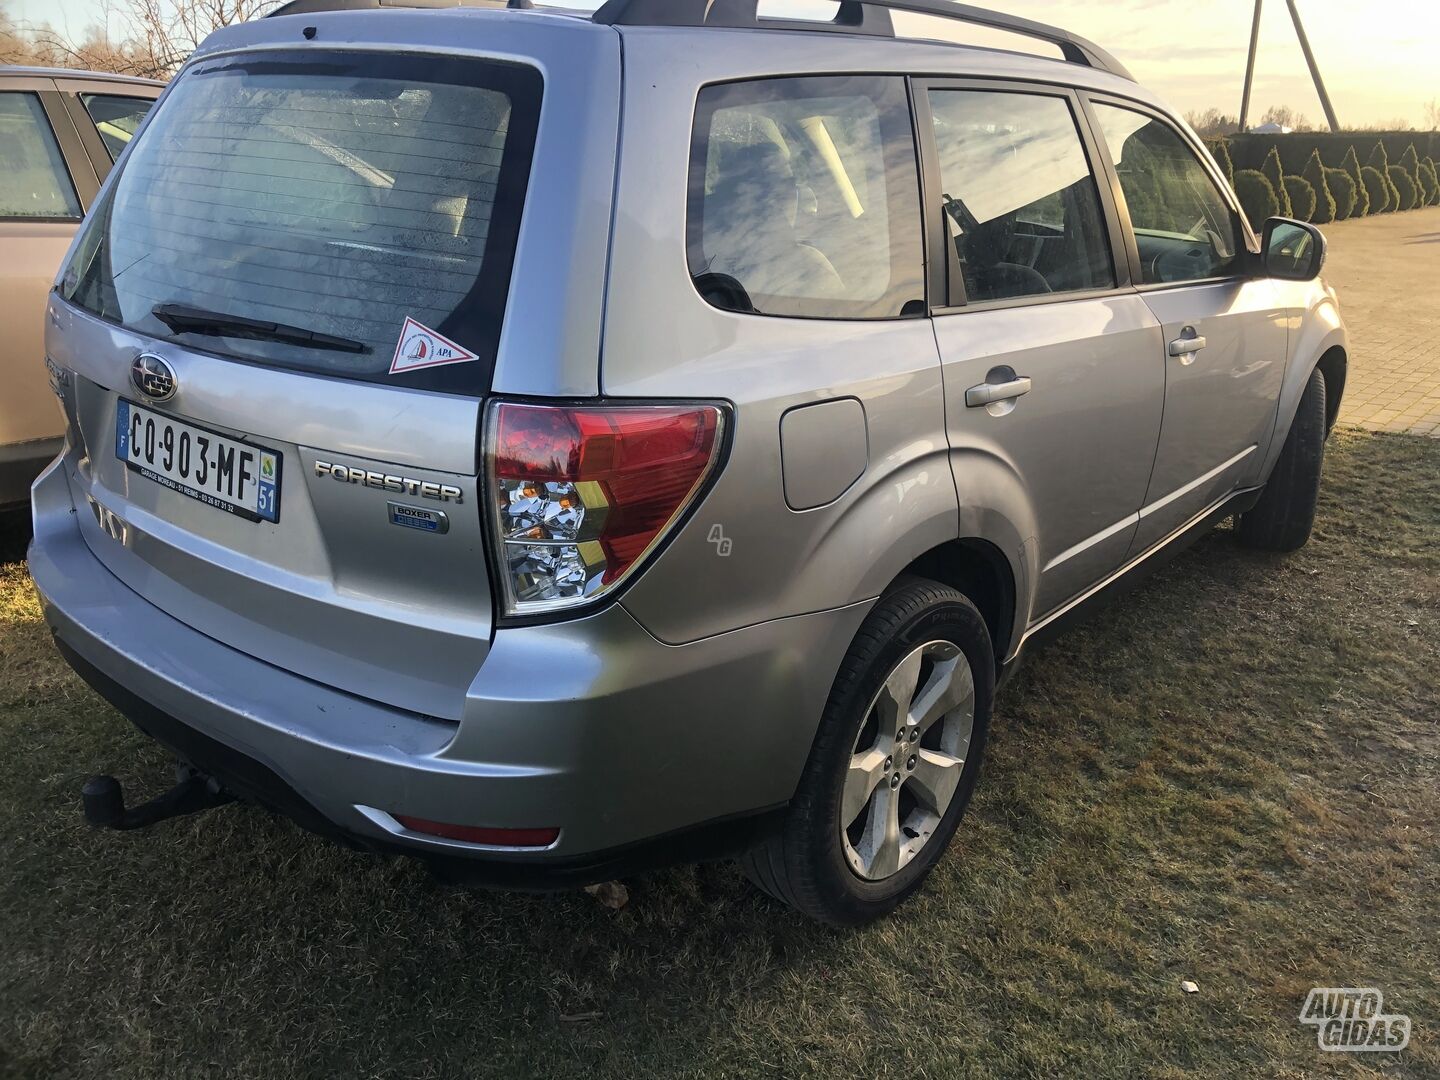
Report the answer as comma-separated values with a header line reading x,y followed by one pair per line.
x,y
1292,250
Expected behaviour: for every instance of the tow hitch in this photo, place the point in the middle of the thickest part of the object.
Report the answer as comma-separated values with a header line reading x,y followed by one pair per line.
x,y
104,800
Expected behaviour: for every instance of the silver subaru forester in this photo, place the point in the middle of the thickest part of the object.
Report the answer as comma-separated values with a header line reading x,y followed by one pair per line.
x,y
554,445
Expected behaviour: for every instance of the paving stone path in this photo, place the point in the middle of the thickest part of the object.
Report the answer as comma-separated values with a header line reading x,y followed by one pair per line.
x,y
1387,271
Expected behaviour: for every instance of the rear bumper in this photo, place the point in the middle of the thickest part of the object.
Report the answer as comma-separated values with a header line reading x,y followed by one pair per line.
x,y
592,726
20,464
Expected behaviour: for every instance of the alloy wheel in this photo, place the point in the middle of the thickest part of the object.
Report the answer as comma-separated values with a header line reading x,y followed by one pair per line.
x,y
907,760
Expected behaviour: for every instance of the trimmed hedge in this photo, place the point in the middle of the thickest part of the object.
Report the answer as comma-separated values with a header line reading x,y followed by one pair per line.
x,y
1314,175
1343,188
1321,193
1378,189
1430,182
1362,193
1406,190
1248,151
1275,175
1410,162
1302,197
1257,197
1220,149
1380,161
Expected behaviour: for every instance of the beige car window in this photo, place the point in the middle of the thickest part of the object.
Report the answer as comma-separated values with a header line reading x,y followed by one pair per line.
x,y
116,118
34,183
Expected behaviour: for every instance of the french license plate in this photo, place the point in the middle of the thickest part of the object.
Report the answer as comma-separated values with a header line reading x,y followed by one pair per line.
x,y
238,477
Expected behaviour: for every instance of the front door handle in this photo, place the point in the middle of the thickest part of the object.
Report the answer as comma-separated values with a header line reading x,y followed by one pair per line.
x,y
988,393
1186,346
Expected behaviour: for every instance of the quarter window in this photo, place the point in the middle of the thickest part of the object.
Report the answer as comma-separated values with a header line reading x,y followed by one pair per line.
x,y
1185,229
1021,203
116,118
34,182
804,199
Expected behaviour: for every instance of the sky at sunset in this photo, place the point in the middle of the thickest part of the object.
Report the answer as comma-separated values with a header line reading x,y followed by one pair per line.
x,y
1379,58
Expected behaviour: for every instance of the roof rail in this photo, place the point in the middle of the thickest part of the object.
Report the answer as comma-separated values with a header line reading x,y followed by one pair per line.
x,y
310,7
870,17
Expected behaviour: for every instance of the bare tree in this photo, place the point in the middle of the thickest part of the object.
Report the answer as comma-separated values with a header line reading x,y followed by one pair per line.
x,y
150,38
1211,122
1286,117
1397,124
16,46
164,32
1432,114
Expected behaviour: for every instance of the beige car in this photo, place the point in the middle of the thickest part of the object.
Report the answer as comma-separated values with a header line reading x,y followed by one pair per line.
x,y
60,132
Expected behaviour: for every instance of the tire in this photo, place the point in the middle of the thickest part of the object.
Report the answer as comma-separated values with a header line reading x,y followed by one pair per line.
x,y
14,533
813,862
1285,515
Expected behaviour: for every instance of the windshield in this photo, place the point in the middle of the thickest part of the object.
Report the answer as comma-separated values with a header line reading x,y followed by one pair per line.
x,y
367,199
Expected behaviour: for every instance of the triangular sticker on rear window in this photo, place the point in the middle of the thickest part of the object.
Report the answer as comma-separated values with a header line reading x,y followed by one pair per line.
x,y
421,347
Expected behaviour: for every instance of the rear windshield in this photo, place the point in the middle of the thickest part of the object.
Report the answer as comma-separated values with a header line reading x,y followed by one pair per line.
x,y
354,215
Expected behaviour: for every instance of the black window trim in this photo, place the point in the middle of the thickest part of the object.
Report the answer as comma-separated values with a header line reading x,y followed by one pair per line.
x,y
84,184
694,222
95,149
1246,263
945,290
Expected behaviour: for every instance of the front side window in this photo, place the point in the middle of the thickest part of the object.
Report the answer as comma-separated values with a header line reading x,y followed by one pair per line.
x,y
1021,203
804,199
308,212
34,183
1184,227
116,118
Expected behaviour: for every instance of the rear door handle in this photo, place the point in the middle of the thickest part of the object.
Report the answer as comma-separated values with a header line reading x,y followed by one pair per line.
x,y
1186,346
988,393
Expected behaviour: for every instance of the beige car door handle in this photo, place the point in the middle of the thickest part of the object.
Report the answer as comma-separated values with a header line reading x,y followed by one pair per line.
x,y
989,393
1186,346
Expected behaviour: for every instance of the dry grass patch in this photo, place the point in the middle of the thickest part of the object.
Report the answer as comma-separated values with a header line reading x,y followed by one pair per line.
x,y
1230,777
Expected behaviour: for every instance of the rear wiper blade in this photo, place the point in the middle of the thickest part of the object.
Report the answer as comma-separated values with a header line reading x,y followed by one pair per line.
x,y
182,318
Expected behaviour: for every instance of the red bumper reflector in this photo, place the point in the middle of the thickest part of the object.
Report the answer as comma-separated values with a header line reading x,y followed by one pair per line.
x,y
477,834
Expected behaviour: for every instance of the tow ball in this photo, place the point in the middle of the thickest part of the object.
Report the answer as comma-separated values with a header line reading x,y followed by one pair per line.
x,y
104,800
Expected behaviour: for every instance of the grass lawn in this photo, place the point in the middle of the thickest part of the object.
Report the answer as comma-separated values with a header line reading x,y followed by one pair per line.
x,y
1229,777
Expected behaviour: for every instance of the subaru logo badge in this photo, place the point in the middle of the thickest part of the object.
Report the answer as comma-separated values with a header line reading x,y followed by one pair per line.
x,y
153,377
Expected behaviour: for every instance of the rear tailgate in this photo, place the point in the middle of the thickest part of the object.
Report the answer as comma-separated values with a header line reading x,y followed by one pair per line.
x,y
313,501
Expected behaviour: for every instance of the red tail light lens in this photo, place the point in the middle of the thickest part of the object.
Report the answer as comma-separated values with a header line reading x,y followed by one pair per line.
x,y
582,494
479,834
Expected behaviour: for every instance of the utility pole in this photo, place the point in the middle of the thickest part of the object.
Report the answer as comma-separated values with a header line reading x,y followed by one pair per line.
x,y
1314,68
1325,102
1250,67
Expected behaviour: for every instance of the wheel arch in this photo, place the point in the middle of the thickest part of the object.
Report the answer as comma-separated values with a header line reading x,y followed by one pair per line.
x,y
980,570
1320,342
1334,365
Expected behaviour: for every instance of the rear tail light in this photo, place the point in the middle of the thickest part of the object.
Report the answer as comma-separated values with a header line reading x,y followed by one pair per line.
x,y
583,494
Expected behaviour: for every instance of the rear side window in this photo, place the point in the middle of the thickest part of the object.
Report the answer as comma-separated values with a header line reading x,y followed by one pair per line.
x,y
337,197
804,198
34,182
116,118
1021,203
1185,229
